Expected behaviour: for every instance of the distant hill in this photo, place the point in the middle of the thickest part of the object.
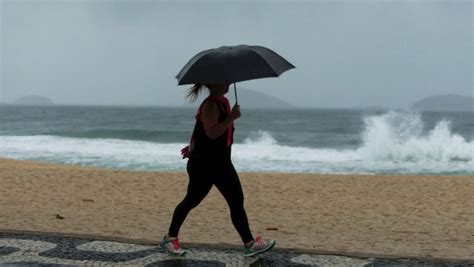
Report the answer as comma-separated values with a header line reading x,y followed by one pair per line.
x,y
250,99
34,100
445,103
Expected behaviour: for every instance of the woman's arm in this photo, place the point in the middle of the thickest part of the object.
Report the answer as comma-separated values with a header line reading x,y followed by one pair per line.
x,y
210,116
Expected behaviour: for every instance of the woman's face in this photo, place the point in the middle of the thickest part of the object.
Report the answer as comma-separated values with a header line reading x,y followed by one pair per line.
x,y
219,89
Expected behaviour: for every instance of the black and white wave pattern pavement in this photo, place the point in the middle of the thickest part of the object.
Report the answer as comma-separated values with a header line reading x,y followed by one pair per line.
x,y
40,250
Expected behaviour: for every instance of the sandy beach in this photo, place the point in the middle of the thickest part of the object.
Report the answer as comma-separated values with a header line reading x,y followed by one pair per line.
x,y
403,216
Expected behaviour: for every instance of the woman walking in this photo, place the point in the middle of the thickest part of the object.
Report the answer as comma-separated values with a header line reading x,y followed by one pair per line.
x,y
210,164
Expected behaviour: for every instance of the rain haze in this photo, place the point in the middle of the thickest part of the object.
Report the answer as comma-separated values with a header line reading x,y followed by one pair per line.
x,y
346,53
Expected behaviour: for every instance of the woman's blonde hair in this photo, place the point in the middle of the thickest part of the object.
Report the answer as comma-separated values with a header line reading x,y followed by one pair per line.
x,y
194,92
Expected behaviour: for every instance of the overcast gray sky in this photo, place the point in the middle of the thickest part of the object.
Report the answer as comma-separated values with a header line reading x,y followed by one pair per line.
x,y
346,53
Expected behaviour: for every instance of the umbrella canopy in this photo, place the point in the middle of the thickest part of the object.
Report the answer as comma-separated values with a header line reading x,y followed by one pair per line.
x,y
231,64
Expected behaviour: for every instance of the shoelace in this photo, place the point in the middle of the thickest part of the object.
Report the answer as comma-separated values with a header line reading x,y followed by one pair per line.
x,y
259,241
176,244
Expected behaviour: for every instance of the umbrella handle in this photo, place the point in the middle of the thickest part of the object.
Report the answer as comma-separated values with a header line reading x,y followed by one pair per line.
x,y
235,92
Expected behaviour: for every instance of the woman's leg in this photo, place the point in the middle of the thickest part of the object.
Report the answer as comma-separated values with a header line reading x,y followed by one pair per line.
x,y
228,184
198,187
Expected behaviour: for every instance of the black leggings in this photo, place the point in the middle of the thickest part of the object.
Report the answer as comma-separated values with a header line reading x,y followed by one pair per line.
x,y
202,176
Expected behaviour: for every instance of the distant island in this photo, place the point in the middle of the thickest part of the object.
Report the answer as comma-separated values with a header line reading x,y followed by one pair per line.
x,y
34,100
445,103
250,99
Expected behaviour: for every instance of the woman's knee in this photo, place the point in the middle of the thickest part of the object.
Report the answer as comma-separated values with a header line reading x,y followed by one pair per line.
x,y
236,201
190,203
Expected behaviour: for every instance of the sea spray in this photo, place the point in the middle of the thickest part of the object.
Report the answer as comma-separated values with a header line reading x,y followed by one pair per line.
x,y
398,137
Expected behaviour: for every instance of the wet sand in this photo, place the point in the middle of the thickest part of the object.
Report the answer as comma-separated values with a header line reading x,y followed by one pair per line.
x,y
388,215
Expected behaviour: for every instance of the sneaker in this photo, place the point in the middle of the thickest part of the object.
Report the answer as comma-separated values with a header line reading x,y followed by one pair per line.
x,y
171,246
258,246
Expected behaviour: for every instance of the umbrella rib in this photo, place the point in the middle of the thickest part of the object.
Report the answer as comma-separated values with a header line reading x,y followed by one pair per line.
x,y
193,60
255,52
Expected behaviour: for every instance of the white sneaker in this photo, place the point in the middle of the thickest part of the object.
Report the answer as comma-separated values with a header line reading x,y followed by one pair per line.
x,y
259,246
171,246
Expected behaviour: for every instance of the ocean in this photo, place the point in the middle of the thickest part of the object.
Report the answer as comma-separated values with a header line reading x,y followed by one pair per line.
x,y
300,140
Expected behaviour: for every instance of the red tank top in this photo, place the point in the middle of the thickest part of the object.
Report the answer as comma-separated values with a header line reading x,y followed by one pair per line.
x,y
201,146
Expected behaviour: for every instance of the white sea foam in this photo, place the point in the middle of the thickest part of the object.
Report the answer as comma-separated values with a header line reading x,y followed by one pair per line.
x,y
392,143
113,153
264,147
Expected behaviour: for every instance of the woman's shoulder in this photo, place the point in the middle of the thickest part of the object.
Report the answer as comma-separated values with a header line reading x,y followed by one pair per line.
x,y
217,99
208,104
212,106
214,101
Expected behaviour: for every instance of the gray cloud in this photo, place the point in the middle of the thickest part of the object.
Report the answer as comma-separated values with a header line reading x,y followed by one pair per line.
x,y
347,53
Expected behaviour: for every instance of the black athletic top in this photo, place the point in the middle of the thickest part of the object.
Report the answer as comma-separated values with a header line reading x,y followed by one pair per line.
x,y
202,147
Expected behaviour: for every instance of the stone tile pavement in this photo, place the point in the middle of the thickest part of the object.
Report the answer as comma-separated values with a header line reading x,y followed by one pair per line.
x,y
26,249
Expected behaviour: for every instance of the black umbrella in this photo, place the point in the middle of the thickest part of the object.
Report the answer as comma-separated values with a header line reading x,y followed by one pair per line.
x,y
231,64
